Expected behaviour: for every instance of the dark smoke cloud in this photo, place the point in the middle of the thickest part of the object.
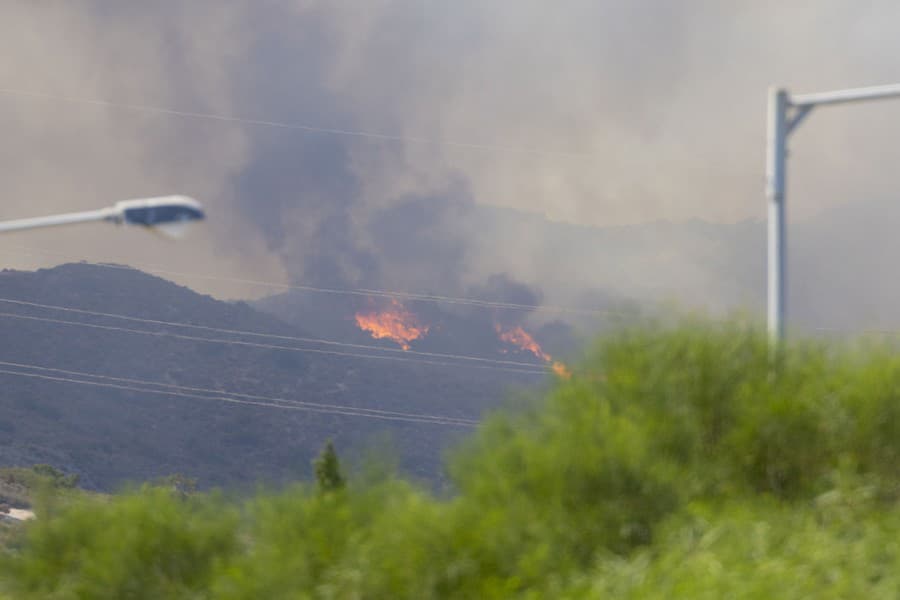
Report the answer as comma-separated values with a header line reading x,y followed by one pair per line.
x,y
499,287
312,209
631,112
301,196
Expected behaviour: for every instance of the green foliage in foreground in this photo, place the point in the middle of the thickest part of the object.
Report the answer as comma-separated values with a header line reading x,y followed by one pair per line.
x,y
673,464
20,487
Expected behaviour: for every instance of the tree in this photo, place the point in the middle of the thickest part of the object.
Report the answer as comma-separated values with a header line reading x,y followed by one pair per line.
x,y
328,469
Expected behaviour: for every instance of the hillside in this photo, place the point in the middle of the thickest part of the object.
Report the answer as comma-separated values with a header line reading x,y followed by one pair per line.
x,y
111,435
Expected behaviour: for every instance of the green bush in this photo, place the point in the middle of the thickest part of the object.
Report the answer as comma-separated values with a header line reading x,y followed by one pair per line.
x,y
678,461
757,550
141,545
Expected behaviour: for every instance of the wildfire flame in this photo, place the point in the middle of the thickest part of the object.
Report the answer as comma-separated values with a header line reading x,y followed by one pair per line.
x,y
394,323
521,339
561,370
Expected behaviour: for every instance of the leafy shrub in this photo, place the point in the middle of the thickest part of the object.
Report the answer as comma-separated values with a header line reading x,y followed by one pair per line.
x,y
141,545
678,461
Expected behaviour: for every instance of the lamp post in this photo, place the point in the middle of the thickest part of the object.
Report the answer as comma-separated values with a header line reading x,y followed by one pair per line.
x,y
786,112
166,214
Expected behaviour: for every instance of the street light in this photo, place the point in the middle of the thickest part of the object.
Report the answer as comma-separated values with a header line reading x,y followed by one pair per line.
x,y
167,214
786,112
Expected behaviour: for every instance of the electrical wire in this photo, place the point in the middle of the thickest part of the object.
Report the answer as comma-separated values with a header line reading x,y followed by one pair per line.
x,y
261,401
368,293
295,126
537,370
267,335
223,398
316,406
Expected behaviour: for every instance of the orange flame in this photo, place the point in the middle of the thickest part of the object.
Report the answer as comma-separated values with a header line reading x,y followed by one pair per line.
x,y
522,339
395,323
561,370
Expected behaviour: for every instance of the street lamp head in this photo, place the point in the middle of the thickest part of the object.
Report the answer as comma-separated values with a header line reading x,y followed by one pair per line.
x,y
150,212
170,215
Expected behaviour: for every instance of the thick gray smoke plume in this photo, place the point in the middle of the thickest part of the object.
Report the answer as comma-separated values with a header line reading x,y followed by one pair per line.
x,y
606,113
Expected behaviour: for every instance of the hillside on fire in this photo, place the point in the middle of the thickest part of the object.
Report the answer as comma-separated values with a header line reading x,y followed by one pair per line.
x,y
115,375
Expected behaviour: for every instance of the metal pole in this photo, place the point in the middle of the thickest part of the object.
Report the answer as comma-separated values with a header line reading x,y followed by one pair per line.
x,y
776,156
105,214
878,92
785,114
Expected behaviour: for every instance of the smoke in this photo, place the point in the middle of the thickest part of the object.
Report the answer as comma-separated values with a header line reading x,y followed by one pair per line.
x,y
610,114
61,156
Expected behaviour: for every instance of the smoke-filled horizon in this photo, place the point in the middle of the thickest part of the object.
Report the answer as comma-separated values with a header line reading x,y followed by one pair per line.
x,y
639,118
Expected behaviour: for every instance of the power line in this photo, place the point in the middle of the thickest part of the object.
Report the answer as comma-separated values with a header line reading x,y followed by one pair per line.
x,y
221,398
368,293
536,370
295,126
319,406
851,330
267,335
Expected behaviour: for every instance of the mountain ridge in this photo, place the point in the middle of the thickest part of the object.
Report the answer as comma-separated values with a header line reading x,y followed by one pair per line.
x,y
111,436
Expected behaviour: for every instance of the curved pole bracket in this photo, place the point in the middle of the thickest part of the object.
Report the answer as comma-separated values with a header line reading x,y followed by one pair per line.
x,y
797,116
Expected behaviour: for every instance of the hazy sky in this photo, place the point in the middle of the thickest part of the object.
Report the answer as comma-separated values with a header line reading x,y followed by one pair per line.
x,y
595,112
